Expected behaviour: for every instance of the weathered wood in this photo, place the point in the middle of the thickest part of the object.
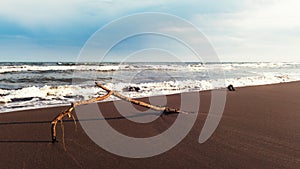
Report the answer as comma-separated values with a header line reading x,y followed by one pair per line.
x,y
166,110
68,111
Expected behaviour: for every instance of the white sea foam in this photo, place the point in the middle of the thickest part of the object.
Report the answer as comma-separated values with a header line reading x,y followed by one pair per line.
x,y
35,97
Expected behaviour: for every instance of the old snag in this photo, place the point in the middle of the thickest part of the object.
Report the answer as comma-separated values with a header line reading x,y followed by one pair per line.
x,y
68,111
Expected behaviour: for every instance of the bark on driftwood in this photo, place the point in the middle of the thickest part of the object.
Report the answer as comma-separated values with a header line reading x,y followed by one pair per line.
x,y
68,111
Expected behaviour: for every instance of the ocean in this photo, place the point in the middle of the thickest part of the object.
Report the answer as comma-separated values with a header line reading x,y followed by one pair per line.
x,y
35,85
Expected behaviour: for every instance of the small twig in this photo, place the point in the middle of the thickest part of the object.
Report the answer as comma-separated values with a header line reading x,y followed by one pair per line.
x,y
74,121
63,135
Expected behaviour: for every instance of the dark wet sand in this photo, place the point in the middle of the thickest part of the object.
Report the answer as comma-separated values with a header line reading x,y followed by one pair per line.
x,y
260,128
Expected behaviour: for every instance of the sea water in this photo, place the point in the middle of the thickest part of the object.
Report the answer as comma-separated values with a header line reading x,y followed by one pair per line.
x,y
35,85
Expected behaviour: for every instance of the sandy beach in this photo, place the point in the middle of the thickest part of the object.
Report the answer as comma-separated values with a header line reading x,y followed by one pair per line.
x,y
259,129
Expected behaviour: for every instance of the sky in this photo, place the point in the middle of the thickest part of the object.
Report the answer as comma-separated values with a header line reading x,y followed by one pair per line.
x,y
239,30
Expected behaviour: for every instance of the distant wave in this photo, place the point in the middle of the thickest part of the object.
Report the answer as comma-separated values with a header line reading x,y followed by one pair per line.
x,y
115,67
24,68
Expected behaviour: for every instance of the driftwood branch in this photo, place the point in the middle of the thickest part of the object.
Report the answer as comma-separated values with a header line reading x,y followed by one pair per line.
x,y
68,111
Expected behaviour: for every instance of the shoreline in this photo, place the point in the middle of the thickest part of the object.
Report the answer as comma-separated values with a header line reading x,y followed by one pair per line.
x,y
179,92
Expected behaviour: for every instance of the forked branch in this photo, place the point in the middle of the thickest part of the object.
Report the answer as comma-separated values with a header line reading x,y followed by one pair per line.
x,y
68,111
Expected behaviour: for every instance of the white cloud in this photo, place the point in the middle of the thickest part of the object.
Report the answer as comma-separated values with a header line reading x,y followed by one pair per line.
x,y
31,13
53,13
266,30
278,15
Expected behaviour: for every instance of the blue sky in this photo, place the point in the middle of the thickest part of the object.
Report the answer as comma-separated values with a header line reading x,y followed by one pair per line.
x,y
240,30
